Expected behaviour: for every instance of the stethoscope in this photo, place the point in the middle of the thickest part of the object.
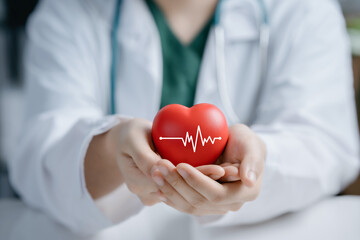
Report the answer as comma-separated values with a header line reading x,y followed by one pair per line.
x,y
219,55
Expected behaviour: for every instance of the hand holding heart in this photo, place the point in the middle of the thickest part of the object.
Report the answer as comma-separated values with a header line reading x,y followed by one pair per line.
x,y
136,157
186,188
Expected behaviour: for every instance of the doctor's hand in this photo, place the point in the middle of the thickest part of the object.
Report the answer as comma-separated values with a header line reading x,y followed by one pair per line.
x,y
136,157
244,155
188,190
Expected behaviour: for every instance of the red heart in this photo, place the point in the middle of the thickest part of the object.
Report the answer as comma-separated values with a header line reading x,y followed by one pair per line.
x,y
195,135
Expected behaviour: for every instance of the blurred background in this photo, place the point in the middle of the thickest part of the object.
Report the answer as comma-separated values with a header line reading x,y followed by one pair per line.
x,y
13,17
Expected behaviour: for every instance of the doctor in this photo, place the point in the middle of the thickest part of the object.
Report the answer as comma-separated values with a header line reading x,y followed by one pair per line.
x,y
293,142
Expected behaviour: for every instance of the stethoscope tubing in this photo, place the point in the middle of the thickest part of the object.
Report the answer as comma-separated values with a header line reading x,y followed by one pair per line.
x,y
264,37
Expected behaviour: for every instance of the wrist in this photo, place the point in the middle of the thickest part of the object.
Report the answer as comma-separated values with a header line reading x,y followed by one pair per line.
x,y
102,172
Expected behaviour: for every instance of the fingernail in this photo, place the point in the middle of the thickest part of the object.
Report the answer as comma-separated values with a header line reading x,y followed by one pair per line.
x,y
158,180
163,170
251,176
182,173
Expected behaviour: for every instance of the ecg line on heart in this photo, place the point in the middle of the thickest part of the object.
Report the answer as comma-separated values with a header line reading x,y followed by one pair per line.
x,y
190,139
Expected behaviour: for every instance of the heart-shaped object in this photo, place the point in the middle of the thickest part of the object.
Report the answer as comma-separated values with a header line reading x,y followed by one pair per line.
x,y
195,135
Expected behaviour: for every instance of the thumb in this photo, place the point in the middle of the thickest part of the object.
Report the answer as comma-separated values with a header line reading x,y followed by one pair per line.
x,y
144,155
250,170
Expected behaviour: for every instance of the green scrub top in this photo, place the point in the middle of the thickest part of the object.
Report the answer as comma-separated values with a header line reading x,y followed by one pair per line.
x,y
181,63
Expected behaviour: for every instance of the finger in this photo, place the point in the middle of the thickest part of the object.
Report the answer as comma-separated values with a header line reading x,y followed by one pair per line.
x,y
246,148
232,173
204,185
143,154
228,164
135,180
170,195
199,212
171,176
221,208
250,169
213,171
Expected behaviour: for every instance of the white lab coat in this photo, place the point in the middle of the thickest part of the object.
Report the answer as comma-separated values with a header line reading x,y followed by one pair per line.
x,y
306,116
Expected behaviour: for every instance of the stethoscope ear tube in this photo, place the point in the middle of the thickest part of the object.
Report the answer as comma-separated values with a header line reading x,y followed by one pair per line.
x,y
221,73
263,56
264,38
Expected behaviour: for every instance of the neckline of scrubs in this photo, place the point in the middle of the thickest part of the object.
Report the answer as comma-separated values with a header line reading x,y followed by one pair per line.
x,y
181,62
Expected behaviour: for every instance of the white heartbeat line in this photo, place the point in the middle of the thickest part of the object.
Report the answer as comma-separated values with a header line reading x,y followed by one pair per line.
x,y
189,139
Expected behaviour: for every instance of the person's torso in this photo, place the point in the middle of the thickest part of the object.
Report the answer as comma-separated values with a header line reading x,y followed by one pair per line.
x,y
139,79
139,66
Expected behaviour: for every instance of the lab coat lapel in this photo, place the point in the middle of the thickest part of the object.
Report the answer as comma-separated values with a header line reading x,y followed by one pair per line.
x,y
139,72
239,21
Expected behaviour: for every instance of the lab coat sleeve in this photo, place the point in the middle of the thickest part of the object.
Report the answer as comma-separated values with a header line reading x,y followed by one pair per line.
x,y
306,119
64,112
